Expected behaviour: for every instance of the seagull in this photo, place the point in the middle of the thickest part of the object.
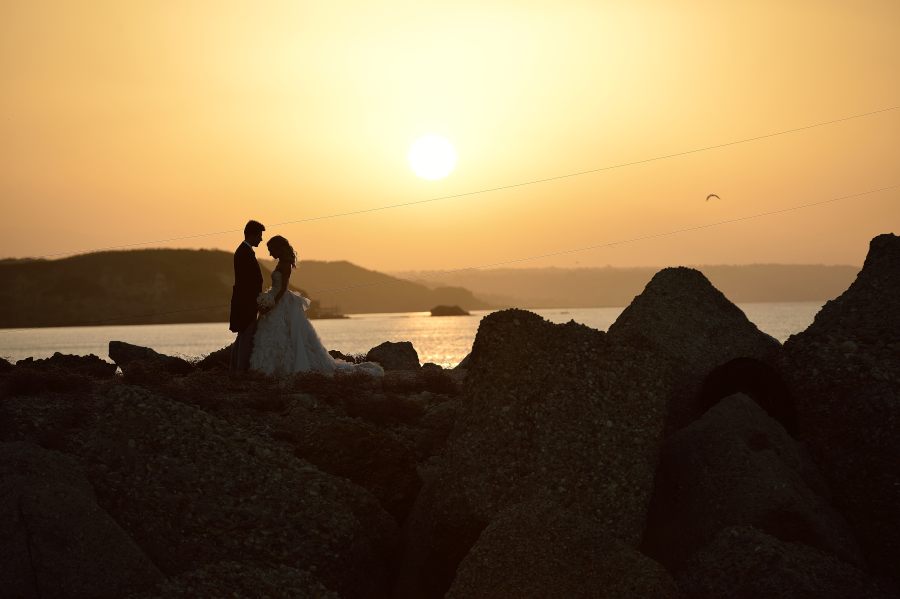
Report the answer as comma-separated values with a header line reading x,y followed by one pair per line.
x,y
712,195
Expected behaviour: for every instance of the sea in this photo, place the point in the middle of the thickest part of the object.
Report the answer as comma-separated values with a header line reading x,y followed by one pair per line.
x,y
442,340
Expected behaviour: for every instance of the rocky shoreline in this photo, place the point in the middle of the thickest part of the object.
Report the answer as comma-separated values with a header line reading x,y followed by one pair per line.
x,y
683,453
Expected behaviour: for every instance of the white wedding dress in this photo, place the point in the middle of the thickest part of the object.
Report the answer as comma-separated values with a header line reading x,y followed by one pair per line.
x,y
286,342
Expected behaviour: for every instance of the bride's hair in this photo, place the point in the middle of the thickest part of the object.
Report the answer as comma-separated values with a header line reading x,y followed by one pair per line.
x,y
281,249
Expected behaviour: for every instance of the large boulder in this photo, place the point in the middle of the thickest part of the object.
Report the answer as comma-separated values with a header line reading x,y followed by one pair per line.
x,y
692,329
844,374
745,563
192,490
538,549
369,456
240,580
429,435
46,419
738,467
35,381
395,356
548,413
87,365
867,313
142,360
217,360
55,541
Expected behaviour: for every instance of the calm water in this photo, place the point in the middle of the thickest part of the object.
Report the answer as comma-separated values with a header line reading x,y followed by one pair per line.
x,y
443,341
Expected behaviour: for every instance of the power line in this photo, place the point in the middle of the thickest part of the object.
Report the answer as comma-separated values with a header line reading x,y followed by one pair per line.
x,y
631,240
334,290
490,189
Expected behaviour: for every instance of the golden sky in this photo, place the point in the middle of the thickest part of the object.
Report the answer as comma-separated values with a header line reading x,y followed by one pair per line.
x,y
125,122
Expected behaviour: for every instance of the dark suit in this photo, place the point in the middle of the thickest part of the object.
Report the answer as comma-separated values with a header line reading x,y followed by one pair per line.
x,y
248,282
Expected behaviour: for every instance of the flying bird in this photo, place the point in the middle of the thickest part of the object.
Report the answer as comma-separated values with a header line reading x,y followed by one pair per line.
x,y
712,195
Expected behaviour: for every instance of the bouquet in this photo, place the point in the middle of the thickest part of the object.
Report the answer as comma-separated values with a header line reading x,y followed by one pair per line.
x,y
265,301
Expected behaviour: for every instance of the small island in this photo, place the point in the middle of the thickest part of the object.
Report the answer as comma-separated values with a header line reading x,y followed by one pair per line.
x,y
448,311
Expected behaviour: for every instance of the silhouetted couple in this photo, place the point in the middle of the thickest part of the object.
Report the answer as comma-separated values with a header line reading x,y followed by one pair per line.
x,y
274,335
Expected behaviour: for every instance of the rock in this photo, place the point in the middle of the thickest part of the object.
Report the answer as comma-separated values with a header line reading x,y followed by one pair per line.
x,y
738,467
340,356
745,563
33,381
430,433
236,579
464,364
86,365
844,375
448,311
217,360
56,540
538,550
548,412
867,313
126,355
352,449
692,329
384,409
45,420
395,356
429,379
192,490
5,366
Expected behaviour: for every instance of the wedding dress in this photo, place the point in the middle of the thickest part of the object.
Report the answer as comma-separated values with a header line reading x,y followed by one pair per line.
x,y
286,342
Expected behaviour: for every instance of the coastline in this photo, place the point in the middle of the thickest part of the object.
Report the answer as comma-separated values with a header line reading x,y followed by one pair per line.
x,y
435,339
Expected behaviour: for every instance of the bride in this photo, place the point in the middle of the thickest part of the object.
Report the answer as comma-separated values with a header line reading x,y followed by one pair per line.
x,y
285,340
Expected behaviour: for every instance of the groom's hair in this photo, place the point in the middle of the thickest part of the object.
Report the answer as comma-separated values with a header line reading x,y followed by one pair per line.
x,y
253,227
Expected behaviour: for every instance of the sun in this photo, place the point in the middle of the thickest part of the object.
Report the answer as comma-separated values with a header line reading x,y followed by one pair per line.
x,y
432,157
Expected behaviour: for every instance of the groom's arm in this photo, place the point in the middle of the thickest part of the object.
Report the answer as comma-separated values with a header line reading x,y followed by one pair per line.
x,y
246,270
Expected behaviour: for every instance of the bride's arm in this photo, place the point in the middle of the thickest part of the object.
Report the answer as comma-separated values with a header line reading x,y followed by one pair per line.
x,y
285,277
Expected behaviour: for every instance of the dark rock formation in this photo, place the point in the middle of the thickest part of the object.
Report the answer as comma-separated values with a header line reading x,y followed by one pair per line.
x,y
384,409
692,329
45,420
867,312
32,381
538,550
395,356
192,489
140,362
350,448
548,413
217,360
430,434
448,311
745,563
236,579
340,356
86,365
55,541
537,460
738,467
5,366
844,374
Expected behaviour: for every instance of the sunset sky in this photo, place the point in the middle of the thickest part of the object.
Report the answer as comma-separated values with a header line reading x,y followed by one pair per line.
x,y
128,121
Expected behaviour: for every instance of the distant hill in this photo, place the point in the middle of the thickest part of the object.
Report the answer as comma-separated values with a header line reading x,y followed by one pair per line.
x,y
351,289
609,287
173,286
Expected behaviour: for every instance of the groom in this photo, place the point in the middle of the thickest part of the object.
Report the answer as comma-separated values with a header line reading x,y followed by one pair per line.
x,y
248,283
